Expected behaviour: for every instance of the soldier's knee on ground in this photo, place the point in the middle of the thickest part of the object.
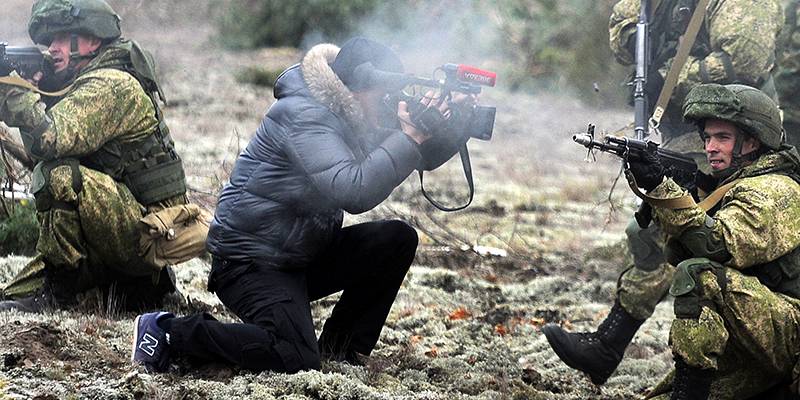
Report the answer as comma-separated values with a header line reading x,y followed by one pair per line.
x,y
698,334
644,245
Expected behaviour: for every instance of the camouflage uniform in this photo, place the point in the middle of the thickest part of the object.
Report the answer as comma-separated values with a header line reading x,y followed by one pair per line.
x,y
736,44
89,234
787,76
745,331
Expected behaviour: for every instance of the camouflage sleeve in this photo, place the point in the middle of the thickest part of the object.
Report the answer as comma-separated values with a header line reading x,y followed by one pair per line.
x,y
743,36
103,105
758,222
621,26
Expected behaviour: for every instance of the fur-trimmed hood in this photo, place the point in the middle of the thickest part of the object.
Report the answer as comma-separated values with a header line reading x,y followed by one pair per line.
x,y
327,88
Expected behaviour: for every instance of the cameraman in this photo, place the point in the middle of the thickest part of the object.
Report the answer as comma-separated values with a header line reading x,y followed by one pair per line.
x,y
329,144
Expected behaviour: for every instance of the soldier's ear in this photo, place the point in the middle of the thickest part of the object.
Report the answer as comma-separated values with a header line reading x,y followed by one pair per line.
x,y
93,42
750,144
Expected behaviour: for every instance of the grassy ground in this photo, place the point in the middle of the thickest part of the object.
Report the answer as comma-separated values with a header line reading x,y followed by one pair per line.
x,y
464,326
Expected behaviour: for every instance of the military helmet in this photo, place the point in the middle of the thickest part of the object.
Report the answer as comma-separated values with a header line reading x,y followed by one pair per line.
x,y
750,109
89,17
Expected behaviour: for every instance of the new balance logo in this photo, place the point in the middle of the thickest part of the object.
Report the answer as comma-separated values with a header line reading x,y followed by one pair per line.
x,y
148,344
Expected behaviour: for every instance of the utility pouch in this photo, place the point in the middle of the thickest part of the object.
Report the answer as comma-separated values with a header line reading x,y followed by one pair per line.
x,y
158,182
173,235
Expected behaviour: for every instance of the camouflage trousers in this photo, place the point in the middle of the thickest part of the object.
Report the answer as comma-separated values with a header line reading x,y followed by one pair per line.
x,y
88,232
645,283
745,332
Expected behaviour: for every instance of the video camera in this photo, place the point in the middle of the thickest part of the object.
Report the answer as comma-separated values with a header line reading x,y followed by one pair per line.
x,y
26,60
470,120
473,120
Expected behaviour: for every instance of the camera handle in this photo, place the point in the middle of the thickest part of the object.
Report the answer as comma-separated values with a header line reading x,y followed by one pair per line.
x,y
465,162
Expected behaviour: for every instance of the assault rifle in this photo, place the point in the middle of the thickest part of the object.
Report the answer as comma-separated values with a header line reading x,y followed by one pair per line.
x,y
630,149
473,121
26,60
679,167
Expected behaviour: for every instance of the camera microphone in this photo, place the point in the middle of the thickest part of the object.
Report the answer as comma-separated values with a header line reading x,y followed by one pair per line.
x,y
470,74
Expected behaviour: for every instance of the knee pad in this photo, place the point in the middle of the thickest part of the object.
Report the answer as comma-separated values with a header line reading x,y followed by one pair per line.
x,y
687,289
644,245
52,180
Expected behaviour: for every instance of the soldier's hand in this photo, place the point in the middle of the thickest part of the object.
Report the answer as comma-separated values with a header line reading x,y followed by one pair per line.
x,y
648,171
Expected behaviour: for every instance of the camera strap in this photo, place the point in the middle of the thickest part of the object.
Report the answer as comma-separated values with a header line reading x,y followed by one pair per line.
x,y
467,165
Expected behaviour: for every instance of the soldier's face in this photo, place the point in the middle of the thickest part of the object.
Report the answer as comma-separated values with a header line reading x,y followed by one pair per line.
x,y
61,46
720,139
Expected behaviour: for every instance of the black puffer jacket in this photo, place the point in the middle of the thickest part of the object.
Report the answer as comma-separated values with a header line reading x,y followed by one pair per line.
x,y
310,159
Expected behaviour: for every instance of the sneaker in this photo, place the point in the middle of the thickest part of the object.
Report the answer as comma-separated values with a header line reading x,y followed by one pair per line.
x,y
150,342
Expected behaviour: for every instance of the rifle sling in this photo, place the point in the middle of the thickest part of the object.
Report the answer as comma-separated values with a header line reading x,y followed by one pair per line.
x,y
682,202
684,48
18,81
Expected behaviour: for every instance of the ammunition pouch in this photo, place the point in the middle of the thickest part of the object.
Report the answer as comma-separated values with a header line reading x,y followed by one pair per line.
x,y
781,275
157,183
689,297
40,184
149,168
173,235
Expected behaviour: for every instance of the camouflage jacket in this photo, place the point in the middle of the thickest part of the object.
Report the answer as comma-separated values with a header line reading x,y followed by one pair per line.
x,y
736,43
104,105
758,218
105,114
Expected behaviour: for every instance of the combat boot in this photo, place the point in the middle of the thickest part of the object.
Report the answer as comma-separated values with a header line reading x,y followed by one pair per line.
x,y
595,353
39,301
690,383
56,291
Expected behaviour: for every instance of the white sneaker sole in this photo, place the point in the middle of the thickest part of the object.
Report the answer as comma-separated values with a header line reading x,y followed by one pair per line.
x,y
135,335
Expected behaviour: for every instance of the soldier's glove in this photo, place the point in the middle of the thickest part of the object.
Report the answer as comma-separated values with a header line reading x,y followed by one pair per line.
x,y
648,170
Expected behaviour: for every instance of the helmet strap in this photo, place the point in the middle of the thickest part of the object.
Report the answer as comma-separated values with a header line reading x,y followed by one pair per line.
x,y
75,56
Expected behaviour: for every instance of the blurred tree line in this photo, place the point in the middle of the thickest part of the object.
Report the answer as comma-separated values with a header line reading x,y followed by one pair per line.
x,y
534,44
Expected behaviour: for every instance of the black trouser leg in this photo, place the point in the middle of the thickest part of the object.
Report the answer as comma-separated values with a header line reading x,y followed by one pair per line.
x,y
368,262
277,333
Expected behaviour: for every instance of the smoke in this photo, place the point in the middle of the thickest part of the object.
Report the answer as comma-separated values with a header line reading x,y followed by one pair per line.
x,y
430,34
14,26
